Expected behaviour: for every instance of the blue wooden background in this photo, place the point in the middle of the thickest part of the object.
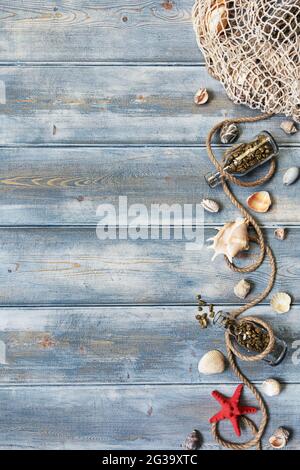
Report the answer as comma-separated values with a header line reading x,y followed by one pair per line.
x,y
99,346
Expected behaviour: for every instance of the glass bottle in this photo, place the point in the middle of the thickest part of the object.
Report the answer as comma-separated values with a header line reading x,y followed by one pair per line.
x,y
242,158
251,338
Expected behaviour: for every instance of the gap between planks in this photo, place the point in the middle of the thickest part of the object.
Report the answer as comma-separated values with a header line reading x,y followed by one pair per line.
x,y
114,145
101,64
127,385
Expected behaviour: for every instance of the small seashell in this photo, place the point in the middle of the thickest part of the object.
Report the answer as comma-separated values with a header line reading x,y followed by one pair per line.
x,y
229,133
213,362
280,438
281,302
288,127
242,289
217,17
201,97
193,440
291,175
210,205
280,233
271,387
260,201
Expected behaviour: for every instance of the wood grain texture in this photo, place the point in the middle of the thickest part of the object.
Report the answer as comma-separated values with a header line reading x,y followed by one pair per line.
x,y
58,186
73,267
105,105
97,30
126,345
148,417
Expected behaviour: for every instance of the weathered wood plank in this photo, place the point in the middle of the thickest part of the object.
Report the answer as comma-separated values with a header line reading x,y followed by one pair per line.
x,y
120,417
97,30
92,105
57,186
72,266
125,345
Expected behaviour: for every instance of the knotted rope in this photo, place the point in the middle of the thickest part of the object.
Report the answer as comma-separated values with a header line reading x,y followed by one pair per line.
x,y
264,250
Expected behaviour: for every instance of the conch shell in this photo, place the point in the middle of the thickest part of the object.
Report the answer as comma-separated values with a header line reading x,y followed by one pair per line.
x,y
216,17
231,239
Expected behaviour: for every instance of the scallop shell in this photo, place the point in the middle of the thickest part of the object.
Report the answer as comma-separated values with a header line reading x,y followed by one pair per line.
x,y
281,302
242,289
291,175
213,362
260,201
271,387
217,17
210,205
229,133
231,239
280,438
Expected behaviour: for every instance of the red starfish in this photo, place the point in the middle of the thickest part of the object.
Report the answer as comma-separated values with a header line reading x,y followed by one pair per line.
x,y
231,409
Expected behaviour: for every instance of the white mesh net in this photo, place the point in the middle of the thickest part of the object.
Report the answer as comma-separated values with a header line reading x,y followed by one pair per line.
x,y
253,48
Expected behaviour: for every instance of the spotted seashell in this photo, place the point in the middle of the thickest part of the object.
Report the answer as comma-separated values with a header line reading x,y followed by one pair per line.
x,y
229,133
210,205
193,440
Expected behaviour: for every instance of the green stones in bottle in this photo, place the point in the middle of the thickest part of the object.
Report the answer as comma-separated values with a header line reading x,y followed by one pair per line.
x,y
242,158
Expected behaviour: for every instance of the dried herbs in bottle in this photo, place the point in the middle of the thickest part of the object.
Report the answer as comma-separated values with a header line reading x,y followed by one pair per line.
x,y
251,338
242,158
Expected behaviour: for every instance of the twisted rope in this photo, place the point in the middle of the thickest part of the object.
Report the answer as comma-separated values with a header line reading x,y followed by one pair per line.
x,y
264,251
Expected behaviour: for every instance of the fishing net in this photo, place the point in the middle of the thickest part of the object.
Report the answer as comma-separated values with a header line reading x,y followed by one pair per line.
x,y
253,48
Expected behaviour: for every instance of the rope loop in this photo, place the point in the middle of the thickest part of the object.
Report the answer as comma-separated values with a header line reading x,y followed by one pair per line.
x,y
264,250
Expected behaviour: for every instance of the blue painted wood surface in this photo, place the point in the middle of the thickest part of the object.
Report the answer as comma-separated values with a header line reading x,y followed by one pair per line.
x,y
98,342
126,345
72,183
97,30
132,104
71,266
125,417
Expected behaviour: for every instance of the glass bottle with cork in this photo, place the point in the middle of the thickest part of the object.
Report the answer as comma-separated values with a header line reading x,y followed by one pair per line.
x,y
245,157
250,338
